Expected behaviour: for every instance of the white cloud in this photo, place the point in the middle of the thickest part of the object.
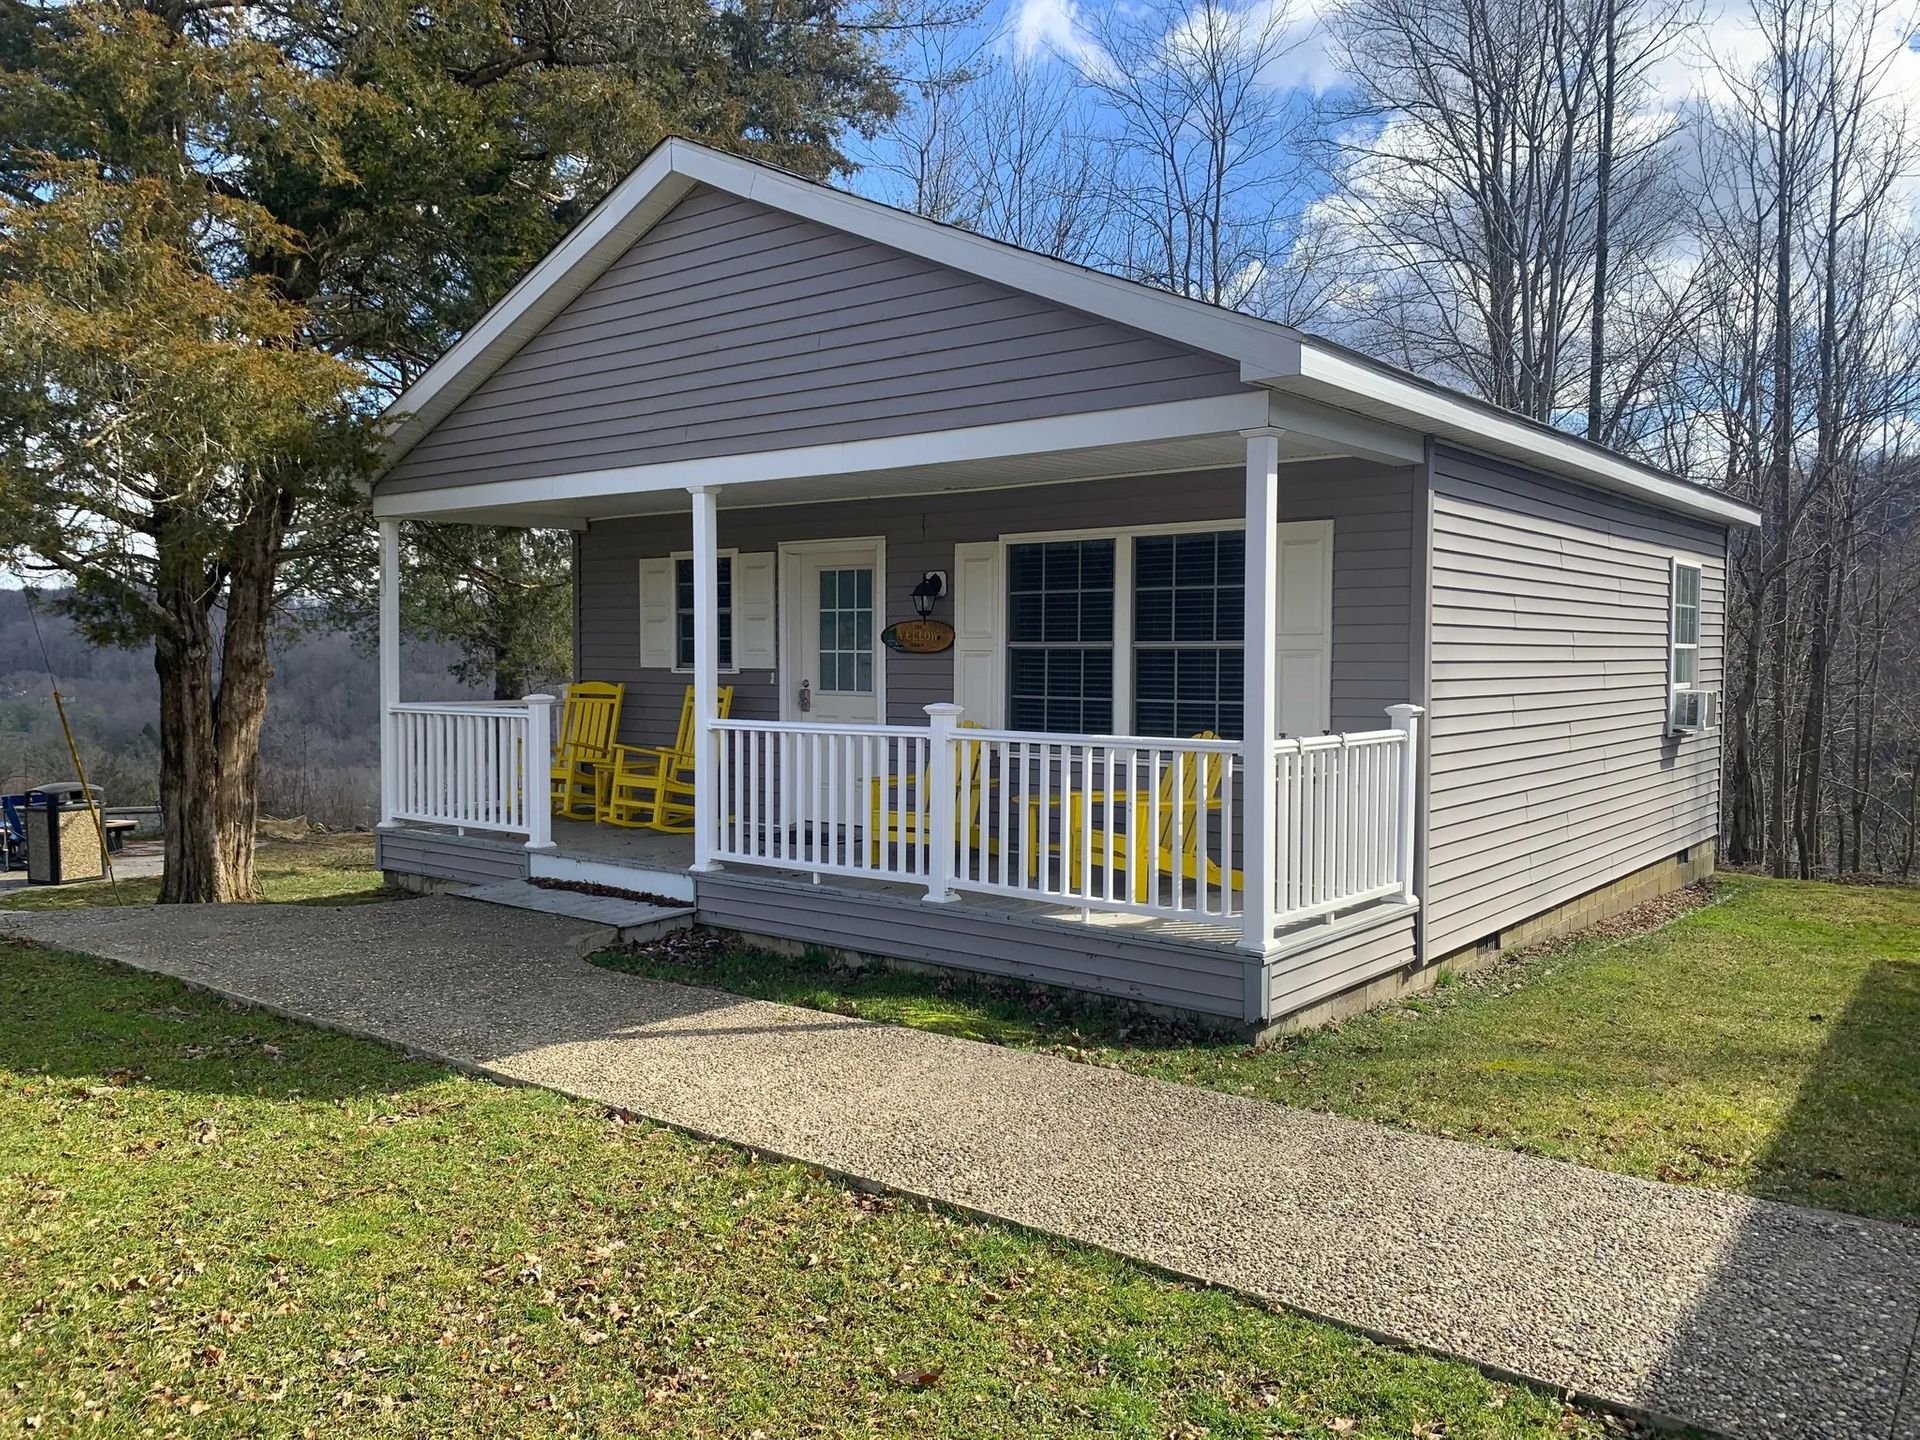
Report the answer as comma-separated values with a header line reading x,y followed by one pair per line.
x,y
1037,29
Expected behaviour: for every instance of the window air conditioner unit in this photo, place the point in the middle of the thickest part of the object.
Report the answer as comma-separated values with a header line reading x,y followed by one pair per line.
x,y
1693,710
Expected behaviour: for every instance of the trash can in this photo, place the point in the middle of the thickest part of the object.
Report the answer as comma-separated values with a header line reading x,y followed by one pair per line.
x,y
62,841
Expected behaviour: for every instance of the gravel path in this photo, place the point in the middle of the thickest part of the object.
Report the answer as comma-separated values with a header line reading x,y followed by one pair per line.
x,y
1739,1315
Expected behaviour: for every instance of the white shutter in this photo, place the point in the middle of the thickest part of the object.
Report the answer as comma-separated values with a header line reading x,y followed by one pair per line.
x,y
656,614
979,600
753,614
1303,648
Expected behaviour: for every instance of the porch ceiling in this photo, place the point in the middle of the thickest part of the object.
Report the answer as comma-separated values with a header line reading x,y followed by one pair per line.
x,y
1200,452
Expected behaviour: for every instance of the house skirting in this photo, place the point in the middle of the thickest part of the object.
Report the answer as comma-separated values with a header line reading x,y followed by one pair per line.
x,y
1603,902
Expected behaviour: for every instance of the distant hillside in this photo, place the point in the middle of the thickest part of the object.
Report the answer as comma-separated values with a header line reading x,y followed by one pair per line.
x,y
319,755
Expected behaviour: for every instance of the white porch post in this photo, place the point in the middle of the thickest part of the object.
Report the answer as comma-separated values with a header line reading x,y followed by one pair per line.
x,y
1261,715
1406,719
943,780
706,669
389,666
539,768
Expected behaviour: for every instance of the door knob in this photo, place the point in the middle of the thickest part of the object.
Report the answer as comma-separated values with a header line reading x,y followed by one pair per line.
x,y
806,695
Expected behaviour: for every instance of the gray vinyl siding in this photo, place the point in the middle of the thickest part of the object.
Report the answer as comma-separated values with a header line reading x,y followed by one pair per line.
x,y
1552,772
1371,509
731,327
462,859
1359,950
1206,977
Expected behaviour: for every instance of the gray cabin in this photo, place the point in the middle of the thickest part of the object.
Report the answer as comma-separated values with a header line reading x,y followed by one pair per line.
x,y
1030,621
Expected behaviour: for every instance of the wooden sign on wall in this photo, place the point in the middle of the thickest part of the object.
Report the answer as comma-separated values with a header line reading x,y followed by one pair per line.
x,y
918,637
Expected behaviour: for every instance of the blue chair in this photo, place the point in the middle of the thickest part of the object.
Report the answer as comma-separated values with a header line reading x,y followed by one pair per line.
x,y
13,831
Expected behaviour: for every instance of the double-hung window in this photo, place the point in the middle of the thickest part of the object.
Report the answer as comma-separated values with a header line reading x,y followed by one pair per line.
x,y
1683,670
1189,617
1060,609
683,611
1141,633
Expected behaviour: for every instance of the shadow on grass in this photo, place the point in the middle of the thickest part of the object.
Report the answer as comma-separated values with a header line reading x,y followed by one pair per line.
x,y
1809,1321
1847,1142
97,1024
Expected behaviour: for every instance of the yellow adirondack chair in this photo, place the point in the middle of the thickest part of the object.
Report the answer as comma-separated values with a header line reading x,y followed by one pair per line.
x,y
1090,842
653,786
588,723
885,824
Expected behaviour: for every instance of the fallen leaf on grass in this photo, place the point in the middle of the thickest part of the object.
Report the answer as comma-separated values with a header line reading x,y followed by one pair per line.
x,y
916,1378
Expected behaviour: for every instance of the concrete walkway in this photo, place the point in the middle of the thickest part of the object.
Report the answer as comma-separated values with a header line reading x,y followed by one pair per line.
x,y
1734,1314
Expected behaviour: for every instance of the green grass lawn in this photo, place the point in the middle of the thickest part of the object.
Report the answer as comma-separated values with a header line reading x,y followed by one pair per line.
x,y
1769,1042
216,1223
320,869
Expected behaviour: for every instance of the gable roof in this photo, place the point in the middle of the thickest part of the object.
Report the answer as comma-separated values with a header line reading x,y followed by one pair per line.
x,y
1269,354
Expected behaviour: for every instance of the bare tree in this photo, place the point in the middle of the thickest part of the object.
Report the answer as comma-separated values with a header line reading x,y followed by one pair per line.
x,y
1807,355
1200,137
1504,180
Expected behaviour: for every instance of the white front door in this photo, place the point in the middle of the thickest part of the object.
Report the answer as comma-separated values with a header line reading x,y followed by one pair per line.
x,y
834,665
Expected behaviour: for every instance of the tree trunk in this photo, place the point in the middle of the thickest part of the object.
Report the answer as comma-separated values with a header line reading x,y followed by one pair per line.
x,y
1813,724
183,662
245,672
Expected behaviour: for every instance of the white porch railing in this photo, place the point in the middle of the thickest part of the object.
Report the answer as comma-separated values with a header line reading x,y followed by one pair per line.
x,y
1343,822
826,799
471,765
1094,822
1101,822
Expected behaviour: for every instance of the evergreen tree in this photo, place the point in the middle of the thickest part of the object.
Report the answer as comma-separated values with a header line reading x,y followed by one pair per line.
x,y
228,230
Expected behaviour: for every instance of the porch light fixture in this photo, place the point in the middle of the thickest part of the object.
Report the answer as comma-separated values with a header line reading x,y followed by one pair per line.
x,y
931,587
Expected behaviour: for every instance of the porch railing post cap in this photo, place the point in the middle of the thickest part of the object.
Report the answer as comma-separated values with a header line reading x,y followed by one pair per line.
x,y
944,708
541,699
1405,712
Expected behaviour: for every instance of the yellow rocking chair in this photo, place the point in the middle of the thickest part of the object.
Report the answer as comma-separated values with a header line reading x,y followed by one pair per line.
x,y
588,723
886,825
1200,780
652,787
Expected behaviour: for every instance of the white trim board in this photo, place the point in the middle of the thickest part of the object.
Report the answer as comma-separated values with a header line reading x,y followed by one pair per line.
x,y
1174,420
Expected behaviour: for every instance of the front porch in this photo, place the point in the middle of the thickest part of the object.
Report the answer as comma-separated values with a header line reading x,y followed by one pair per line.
x,y
1114,864
909,806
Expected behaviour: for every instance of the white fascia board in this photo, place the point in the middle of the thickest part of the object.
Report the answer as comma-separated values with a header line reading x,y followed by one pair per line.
x,y
1457,418
1175,420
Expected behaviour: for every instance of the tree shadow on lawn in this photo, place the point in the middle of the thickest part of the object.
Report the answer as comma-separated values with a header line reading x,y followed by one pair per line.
x,y
1819,1311
1852,1139
98,1023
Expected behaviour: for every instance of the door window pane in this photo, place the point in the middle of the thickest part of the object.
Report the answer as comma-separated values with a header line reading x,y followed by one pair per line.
x,y
846,630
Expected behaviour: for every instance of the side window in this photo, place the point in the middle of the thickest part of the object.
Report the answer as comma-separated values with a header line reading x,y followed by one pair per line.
x,y
1683,669
683,612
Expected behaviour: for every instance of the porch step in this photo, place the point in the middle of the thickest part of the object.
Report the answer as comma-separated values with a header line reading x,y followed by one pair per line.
x,y
632,921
